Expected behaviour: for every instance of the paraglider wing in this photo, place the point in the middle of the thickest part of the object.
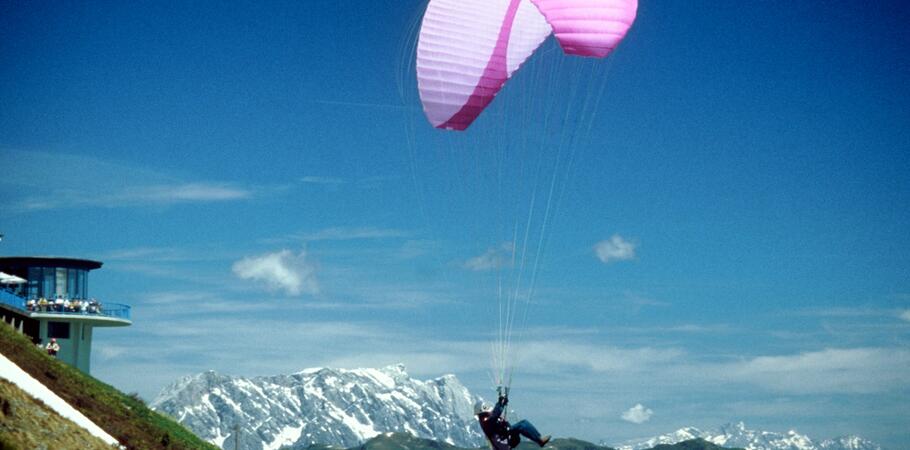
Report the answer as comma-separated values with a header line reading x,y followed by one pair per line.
x,y
466,51
589,27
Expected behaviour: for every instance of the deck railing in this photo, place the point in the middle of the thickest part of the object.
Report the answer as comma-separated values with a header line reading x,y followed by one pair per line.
x,y
8,298
113,310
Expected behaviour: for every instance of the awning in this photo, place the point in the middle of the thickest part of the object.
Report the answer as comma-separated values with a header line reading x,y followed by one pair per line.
x,y
6,278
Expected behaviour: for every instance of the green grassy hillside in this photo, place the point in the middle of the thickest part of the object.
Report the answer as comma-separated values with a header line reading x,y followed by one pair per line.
x,y
27,423
403,441
124,417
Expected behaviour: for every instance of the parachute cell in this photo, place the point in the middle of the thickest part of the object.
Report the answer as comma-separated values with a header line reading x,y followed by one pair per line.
x,y
589,27
466,51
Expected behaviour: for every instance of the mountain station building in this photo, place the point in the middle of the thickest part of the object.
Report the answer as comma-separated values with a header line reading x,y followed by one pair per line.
x,y
47,298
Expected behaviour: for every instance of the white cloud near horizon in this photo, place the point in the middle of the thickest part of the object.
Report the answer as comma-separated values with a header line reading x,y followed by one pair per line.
x,y
614,249
905,315
637,414
282,270
852,370
493,258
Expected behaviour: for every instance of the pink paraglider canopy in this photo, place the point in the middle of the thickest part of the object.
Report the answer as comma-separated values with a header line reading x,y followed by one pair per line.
x,y
589,27
467,49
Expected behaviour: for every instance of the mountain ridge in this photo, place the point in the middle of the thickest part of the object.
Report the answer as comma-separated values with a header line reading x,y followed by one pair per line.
x,y
347,407
321,406
736,434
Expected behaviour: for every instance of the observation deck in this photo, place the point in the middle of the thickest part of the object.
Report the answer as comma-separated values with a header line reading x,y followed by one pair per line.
x,y
48,300
106,314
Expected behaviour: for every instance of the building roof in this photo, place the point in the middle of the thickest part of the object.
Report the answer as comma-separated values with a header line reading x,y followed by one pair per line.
x,y
48,261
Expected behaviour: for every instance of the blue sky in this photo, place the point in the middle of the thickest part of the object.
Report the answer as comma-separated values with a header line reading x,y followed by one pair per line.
x,y
262,191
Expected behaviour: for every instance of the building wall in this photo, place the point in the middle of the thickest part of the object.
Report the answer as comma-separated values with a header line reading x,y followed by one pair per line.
x,y
76,349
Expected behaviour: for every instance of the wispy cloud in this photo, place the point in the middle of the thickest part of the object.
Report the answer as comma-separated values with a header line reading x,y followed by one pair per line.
x,y
186,192
323,180
844,312
639,300
856,370
284,270
687,328
492,259
414,248
614,249
98,183
567,355
637,414
146,254
905,314
349,233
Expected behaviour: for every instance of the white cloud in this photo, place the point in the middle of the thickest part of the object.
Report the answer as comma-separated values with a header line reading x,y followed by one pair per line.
x,y
186,192
637,414
905,315
280,270
161,194
561,355
350,233
856,370
614,249
493,258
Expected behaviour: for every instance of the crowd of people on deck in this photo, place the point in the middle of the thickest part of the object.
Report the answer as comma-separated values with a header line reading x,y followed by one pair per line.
x,y
64,305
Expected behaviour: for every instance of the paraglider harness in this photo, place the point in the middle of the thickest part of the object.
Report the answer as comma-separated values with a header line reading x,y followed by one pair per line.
x,y
495,426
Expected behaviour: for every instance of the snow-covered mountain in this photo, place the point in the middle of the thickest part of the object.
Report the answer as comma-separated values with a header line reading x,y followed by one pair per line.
x,y
738,436
327,406
848,443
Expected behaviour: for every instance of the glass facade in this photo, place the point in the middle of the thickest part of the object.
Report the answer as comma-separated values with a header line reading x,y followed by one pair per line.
x,y
49,282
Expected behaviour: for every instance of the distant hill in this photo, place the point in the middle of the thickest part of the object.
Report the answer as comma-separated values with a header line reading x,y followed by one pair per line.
x,y
735,435
692,444
124,417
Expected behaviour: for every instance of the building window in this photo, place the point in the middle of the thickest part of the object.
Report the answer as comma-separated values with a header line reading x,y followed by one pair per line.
x,y
34,282
58,330
60,285
49,275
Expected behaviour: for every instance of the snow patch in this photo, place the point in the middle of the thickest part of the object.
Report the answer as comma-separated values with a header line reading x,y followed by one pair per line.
x,y
287,436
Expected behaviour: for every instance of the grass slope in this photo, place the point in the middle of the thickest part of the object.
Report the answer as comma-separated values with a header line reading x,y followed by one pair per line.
x,y
124,417
404,441
26,423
